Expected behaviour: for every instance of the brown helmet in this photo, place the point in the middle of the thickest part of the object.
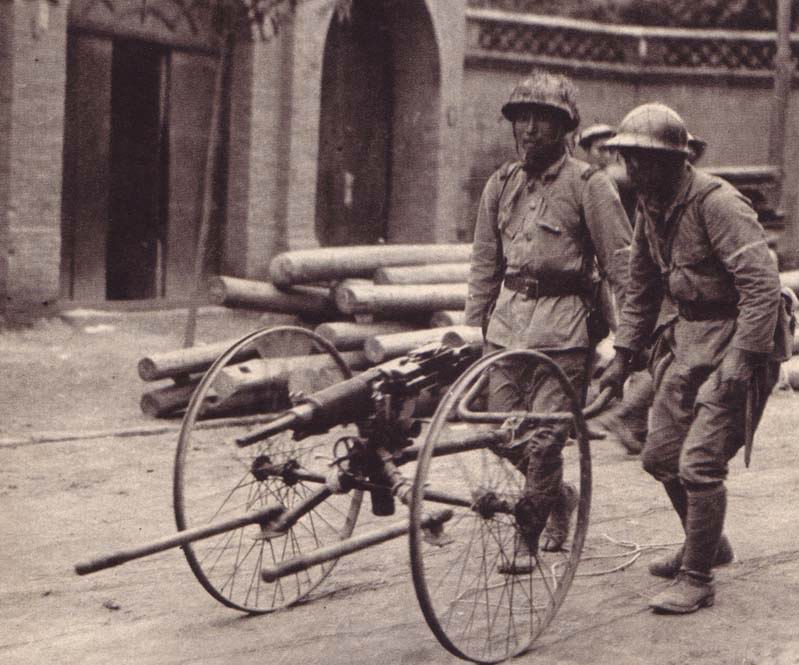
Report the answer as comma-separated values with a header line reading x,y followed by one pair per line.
x,y
652,126
544,89
594,132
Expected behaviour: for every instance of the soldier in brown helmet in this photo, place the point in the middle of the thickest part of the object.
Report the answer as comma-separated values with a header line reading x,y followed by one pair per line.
x,y
543,222
592,141
697,241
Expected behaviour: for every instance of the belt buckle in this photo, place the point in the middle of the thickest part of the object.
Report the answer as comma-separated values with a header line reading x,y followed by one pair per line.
x,y
531,288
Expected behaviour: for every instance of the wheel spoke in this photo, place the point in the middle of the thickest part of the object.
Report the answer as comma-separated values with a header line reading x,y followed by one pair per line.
x,y
215,479
477,612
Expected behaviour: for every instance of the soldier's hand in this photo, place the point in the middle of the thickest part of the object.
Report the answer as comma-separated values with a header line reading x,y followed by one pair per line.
x,y
616,373
735,370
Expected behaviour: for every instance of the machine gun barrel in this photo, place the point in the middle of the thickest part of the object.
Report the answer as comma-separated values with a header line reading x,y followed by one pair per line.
x,y
178,540
352,400
340,403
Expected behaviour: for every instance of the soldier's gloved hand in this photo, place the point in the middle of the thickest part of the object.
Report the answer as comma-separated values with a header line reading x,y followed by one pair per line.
x,y
616,373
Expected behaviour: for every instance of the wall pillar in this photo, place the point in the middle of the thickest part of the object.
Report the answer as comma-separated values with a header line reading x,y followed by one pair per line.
x,y
451,167
311,23
32,88
260,126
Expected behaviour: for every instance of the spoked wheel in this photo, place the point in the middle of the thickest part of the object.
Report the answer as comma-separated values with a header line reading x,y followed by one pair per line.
x,y
214,480
475,608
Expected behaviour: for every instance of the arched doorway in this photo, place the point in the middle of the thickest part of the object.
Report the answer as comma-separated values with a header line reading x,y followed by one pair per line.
x,y
379,126
352,191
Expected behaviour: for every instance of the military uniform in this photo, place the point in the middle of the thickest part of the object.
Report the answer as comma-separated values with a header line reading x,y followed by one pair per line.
x,y
698,242
546,229
708,252
530,288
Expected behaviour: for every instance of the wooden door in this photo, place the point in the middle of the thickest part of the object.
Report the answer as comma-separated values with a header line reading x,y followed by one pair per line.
x,y
87,141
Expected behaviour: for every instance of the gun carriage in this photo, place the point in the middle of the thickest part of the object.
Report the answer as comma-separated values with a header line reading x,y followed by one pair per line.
x,y
266,505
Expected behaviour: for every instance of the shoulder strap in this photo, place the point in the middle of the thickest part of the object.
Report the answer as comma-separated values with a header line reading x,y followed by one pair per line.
x,y
507,171
585,175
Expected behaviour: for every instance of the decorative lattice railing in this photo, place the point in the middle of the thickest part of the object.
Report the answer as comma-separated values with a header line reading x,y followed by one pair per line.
x,y
526,38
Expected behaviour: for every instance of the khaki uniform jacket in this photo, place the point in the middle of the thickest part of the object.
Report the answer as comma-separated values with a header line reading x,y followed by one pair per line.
x,y
708,250
549,229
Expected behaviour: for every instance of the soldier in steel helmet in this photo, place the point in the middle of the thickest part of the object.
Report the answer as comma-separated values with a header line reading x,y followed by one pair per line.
x,y
592,141
542,221
698,242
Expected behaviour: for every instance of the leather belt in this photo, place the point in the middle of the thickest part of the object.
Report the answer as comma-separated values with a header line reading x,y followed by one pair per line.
x,y
707,311
534,288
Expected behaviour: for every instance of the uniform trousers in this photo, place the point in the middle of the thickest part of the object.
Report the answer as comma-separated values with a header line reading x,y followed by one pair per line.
x,y
697,423
522,386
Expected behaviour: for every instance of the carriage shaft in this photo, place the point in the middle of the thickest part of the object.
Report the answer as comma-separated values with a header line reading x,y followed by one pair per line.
x,y
474,441
178,540
348,546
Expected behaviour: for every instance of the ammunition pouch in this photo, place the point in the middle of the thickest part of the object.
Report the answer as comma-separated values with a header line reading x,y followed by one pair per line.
x,y
786,326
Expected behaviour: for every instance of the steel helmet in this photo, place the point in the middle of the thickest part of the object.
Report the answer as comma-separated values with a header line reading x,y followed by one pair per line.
x,y
697,146
594,132
652,126
544,89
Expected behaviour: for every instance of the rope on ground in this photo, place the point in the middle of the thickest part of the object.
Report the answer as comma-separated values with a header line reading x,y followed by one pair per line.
x,y
633,552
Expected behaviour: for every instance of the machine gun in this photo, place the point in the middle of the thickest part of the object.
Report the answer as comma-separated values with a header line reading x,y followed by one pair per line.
x,y
380,396
381,402
264,511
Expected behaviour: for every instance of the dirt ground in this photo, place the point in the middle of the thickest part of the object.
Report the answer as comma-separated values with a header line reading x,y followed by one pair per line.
x,y
63,501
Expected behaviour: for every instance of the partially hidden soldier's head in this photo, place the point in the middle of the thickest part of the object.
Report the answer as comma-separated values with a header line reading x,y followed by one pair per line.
x,y
543,110
592,140
653,140
696,148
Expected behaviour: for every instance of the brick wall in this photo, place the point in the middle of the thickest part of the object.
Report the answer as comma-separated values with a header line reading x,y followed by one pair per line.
x,y
33,44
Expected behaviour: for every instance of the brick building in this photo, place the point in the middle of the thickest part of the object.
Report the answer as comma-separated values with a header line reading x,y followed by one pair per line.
x,y
380,126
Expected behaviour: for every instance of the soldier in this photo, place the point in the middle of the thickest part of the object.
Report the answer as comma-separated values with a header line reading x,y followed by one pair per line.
x,y
698,241
696,148
541,221
592,141
629,421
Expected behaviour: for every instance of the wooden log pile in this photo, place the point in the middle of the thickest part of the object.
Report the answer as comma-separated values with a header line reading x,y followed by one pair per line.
x,y
372,303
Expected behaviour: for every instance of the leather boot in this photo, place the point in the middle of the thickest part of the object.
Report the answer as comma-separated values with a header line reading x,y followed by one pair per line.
x,y
531,514
675,490
559,522
544,479
688,593
693,588
668,566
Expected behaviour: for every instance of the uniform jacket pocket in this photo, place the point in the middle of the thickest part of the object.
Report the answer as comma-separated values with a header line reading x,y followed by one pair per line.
x,y
699,276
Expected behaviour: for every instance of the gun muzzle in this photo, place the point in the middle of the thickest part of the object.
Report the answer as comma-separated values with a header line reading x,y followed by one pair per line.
x,y
285,421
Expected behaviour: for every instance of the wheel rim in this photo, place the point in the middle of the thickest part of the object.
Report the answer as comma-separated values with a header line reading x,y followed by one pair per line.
x,y
214,480
474,611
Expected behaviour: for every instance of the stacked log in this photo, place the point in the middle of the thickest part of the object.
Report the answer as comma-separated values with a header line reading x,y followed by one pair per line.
x,y
273,373
351,336
400,299
448,317
162,402
253,294
442,273
315,265
183,362
380,348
